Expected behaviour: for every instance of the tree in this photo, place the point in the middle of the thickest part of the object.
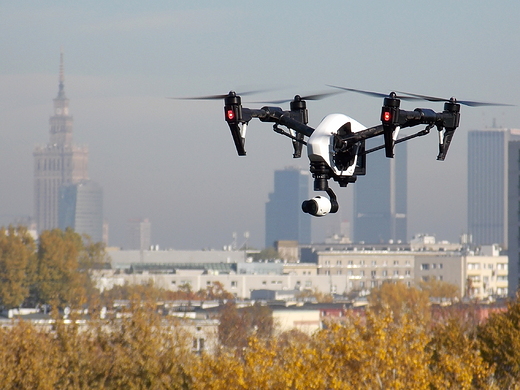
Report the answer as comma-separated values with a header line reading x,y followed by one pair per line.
x,y
499,341
439,289
16,259
236,325
58,277
455,360
400,299
266,254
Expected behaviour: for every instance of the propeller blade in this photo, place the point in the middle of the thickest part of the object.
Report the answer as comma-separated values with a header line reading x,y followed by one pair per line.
x,y
469,103
374,94
317,96
218,97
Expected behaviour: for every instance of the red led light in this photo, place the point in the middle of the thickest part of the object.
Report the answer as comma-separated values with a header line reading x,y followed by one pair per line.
x,y
387,116
230,115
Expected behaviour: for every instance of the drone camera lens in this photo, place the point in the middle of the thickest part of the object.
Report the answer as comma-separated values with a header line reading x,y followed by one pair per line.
x,y
310,207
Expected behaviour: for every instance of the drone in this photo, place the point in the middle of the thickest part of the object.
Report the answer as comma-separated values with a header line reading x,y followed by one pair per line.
x,y
336,147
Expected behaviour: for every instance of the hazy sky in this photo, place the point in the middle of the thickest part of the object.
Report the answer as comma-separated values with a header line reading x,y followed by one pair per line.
x,y
174,161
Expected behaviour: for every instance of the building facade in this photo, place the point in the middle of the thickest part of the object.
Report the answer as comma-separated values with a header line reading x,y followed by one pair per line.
x,y
513,213
488,156
353,271
380,198
81,208
284,218
57,163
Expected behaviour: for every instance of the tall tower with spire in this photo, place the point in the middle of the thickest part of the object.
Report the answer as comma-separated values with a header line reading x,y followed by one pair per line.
x,y
58,163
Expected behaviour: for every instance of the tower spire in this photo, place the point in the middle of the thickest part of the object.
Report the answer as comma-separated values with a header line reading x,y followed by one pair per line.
x,y
61,91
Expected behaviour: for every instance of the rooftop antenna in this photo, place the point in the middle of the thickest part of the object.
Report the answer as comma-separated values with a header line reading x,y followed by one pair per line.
x,y
61,92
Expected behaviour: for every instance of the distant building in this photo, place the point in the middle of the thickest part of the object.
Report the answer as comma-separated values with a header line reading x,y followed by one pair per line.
x,y
380,198
488,156
139,234
81,208
336,269
284,218
59,162
513,213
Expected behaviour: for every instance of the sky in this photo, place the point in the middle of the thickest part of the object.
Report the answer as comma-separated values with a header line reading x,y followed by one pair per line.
x,y
174,161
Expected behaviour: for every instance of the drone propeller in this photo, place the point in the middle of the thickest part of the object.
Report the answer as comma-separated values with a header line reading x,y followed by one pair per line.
x,y
317,96
469,103
376,94
219,97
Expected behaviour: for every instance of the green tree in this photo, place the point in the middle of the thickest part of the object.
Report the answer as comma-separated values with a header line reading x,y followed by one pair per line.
x,y
266,254
16,259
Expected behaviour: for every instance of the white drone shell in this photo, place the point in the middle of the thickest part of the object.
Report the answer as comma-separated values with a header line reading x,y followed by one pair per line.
x,y
320,146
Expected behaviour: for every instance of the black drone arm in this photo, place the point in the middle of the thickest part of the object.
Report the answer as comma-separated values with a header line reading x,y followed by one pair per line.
x,y
238,117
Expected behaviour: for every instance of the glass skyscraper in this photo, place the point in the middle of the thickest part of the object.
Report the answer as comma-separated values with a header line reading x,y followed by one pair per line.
x,y
488,185
81,208
380,198
284,218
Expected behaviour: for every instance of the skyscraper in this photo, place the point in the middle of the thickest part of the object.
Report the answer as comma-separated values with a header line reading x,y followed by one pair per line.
x,y
81,208
284,218
488,185
57,163
380,198
513,220
139,234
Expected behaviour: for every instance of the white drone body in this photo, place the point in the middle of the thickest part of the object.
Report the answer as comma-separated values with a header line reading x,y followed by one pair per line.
x,y
320,145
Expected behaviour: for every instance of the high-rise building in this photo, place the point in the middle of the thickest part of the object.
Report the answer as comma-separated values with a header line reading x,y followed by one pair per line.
x,y
81,208
488,156
380,198
57,163
284,218
513,213
139,234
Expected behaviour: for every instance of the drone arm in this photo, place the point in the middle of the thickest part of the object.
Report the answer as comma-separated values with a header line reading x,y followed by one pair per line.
x,y
277,115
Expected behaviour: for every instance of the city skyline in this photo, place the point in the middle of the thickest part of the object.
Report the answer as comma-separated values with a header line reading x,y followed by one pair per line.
x,y
174,161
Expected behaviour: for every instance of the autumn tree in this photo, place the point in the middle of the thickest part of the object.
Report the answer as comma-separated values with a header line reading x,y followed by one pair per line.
x,y
58,277
400,299
237,324
16,259
215,291
499,341
439,289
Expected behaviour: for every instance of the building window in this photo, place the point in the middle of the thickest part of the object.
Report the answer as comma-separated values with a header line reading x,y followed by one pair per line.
x,y
338,262
350,262
373,263
425,267
373,274
385,272
396,273
233,284
396,262
361,273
